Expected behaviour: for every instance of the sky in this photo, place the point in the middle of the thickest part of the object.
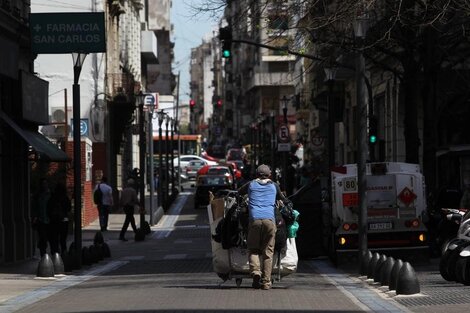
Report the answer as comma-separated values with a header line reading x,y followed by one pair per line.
x,y
188,33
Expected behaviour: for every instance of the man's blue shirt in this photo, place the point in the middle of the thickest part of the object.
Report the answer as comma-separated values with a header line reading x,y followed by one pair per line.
x,y
261,200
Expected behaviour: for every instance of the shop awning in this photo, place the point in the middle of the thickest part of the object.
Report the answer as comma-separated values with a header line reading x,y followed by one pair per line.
x,y
47,150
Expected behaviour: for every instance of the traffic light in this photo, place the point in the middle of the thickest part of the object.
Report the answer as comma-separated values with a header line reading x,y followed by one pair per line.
x,y
192,104
219,103
225,37
373,130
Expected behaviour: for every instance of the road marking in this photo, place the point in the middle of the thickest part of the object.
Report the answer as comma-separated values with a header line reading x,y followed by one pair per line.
x,y
28,298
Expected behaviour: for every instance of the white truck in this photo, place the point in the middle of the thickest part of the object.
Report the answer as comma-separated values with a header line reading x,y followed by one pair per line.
x,y
396,206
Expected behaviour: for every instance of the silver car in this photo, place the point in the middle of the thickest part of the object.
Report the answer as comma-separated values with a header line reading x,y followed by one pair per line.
x,y
193,167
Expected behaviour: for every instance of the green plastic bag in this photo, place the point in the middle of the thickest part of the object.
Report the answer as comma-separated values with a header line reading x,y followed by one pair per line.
x,y
294,227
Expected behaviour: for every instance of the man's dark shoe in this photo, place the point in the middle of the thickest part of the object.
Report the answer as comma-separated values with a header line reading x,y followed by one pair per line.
x,y
122,239
256,281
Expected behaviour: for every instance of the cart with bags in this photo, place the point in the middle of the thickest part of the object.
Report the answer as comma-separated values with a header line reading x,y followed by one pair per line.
x,y
228,218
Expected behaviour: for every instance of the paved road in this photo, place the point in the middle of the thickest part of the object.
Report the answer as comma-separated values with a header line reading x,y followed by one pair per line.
x,y
171,271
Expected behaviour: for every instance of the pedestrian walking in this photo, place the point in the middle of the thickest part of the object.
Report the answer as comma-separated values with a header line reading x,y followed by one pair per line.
x,y
58,210
104,202
39,216
128,201
262,195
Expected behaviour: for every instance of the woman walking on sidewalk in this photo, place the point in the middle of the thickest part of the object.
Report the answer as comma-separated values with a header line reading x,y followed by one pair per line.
x,y
128,201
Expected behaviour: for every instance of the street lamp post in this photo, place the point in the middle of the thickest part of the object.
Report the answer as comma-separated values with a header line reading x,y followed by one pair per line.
x,y
273,144
172,165
151,173
142,147
285,102
330,74
161,116
167,164
78,59
360,29
253,149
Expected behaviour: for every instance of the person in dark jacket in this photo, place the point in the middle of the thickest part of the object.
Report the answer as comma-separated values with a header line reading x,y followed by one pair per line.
x,y
262,195
58,209
39,216
128,201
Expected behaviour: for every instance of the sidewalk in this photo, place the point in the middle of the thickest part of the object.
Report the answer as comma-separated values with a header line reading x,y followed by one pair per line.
x,y
20,278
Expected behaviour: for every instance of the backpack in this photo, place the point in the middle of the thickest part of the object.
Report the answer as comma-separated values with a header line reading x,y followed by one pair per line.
x,y
98,196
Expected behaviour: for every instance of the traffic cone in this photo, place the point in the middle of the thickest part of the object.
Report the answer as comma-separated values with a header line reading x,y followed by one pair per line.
x,y
386,271
378,268
407,282
58,264
45,267
372,264
394,274
365,259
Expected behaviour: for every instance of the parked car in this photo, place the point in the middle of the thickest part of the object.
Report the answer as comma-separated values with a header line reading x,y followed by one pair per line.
x,y
185,159
209,183
235,154
193,167
226,170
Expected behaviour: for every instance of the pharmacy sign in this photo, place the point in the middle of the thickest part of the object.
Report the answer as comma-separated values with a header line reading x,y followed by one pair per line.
x,y
67,32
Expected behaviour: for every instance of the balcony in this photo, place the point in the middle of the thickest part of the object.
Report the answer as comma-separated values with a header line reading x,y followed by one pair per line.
x,y
270,79
149,47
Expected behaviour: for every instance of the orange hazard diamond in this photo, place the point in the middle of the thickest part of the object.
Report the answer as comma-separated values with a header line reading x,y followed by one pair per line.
x,y
407,196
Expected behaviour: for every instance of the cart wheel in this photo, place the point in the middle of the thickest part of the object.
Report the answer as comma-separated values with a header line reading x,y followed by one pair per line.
x,y
238,281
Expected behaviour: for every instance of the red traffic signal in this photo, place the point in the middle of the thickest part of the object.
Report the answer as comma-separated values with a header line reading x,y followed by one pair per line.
x,y
192,103
219,103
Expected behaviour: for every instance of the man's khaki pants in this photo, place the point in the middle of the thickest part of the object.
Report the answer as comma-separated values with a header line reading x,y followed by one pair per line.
x,y
260,241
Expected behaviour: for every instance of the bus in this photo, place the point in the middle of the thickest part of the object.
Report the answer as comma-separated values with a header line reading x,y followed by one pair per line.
x,y
188,144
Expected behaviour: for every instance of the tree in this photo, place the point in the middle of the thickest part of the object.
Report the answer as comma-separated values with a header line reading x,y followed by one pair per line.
x,y
415,40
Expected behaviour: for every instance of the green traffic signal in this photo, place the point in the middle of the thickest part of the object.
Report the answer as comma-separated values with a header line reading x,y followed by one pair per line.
x,y
372,138
226,53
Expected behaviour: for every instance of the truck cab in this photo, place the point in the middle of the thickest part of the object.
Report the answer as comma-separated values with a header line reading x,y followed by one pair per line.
x,y
396,205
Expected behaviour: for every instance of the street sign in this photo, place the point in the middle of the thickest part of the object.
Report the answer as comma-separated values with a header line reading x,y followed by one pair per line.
x,y
84,128
283,134
67,32
151,99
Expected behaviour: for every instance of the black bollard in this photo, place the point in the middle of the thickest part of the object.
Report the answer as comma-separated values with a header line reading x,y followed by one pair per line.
x,y
386,271
45,267
146,228
106,250
378,268
98,250
372,264
407,282
72,261
58,264
394,274
365,259
98,239
67,262
86,256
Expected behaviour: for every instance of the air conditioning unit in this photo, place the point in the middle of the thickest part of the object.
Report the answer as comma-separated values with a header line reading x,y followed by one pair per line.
x,y
58,115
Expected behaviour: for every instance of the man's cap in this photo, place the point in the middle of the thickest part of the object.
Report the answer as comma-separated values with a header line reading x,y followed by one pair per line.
x,y
263,170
